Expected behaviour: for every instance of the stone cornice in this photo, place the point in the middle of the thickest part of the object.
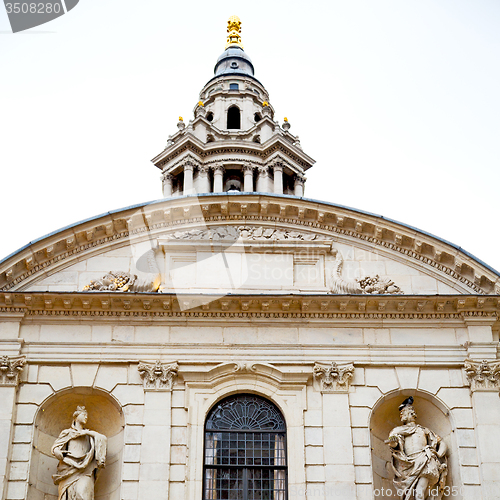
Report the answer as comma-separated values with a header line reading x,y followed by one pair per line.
x,y
190,143
121,227
167,307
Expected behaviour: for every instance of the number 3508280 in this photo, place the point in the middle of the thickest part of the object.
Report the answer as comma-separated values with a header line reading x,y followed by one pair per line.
x,y
33,8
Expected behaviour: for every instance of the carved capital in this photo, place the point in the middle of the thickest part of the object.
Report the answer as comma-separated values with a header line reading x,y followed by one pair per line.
x,y
334,378
248,168
483,375
158,376
278,166
218,168
10,368
263,170
203,169
165,177
300,179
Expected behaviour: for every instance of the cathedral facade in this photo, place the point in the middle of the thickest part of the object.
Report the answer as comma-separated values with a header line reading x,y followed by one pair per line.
x,y
236,340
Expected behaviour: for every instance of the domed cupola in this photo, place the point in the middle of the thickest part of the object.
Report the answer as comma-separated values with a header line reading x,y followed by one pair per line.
x,y
234,61
233,143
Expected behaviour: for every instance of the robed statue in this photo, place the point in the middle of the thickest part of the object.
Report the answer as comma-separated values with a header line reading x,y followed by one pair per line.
x,y
81,454
418,458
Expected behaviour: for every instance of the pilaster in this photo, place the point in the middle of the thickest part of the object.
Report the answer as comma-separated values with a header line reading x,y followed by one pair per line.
x,y
154,471
339,472
10,369
484,378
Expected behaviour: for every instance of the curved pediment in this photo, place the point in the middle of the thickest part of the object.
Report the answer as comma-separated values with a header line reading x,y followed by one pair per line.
x,y
245,244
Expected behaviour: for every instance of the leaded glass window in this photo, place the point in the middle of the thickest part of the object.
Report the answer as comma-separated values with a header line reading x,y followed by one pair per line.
x,y
245,450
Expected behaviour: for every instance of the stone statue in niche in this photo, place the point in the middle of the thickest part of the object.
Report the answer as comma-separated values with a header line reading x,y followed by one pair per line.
x,y
81,454
418,458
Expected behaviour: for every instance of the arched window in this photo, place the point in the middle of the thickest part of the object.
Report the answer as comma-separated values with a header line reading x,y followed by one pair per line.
x,y
245,450
233,117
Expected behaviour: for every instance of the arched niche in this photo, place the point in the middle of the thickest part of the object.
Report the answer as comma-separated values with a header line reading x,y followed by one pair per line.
x,y
104,416
431,413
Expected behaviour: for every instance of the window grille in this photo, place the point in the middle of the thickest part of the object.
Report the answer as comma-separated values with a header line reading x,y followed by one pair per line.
x,y
245,451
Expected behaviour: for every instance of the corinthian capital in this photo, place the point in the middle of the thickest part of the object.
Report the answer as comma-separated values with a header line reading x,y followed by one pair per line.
x,y
483,375
248,167
332,377
218,168
158,376
10,369
165,177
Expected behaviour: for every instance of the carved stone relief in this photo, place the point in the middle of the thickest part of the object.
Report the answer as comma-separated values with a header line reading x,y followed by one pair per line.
x,y
483,375
332,377
245,232
10,369
120,281
374,285
158,376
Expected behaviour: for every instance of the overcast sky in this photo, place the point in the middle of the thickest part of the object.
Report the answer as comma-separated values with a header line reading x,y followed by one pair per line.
x,y
398,101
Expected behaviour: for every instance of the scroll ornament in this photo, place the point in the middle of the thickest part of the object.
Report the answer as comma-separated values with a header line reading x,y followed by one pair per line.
x,y
334,378
483,375
10,369
158,376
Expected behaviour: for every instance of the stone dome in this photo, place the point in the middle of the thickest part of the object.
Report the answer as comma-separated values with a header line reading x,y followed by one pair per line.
x,y
234,61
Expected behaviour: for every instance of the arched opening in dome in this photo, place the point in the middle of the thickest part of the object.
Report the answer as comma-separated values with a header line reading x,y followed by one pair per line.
x,y
210,117
233,118
257,117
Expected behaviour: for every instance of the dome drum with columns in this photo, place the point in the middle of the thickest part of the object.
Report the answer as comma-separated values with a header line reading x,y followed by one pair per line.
x,y
233,142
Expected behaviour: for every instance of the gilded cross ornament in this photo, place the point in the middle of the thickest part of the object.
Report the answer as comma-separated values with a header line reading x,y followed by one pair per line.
x,y
332,377
10,369
483,375
234,32
158,376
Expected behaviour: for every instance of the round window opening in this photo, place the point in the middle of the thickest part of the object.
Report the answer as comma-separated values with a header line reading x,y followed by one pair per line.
x,y
234,64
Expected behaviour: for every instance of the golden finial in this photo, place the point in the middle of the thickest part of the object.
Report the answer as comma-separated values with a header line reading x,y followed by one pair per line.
x,y
200,103
264,104
234,32
285,119
181,119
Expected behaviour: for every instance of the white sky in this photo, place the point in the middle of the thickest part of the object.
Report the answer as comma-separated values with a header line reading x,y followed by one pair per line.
x,y
397,100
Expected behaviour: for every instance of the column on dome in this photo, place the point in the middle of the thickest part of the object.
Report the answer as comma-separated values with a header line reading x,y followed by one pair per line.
x,y
167,184
263,180
278,178
299,185
188,178
218,178
248,177
203,181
